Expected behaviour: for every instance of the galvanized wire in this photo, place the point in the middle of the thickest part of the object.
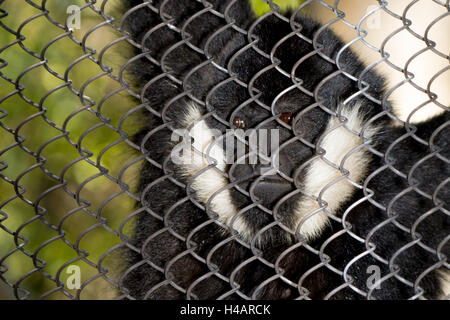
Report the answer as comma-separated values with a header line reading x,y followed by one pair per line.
x,y
83,208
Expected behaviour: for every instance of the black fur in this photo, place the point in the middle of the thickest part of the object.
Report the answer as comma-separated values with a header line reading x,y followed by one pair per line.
x,y
163,267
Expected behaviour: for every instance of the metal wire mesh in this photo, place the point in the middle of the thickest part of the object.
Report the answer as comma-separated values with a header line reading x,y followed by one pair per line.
x,y
70,165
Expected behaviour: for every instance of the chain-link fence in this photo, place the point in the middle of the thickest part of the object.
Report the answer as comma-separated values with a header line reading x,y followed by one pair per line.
x,y
351,203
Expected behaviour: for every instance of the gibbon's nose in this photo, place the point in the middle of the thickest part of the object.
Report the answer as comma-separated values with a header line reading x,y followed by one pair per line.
x,y
247,171
270,189
262,180
250,171
267,189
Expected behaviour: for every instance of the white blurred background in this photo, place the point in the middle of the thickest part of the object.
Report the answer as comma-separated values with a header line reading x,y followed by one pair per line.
x,y
401,47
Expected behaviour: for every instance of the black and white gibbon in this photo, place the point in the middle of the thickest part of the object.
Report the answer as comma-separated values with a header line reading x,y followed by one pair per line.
x,y
352,193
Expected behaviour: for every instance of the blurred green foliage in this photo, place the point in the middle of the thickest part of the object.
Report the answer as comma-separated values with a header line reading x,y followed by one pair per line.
x,y
85,218
261,7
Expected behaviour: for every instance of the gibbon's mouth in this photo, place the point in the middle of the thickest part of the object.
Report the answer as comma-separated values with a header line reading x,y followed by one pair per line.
x,y
266,190
269,191
325,187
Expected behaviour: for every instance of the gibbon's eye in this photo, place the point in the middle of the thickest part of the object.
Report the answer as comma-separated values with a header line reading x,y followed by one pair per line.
x,y
238,123
286,117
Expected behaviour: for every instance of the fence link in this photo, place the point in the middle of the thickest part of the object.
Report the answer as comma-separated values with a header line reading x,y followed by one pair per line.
x,y
89,210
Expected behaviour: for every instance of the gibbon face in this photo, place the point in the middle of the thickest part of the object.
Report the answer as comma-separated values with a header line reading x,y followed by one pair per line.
x,y
328,178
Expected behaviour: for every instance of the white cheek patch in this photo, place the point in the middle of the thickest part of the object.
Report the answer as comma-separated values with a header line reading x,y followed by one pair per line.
x,y
210,181
445,284
344,149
